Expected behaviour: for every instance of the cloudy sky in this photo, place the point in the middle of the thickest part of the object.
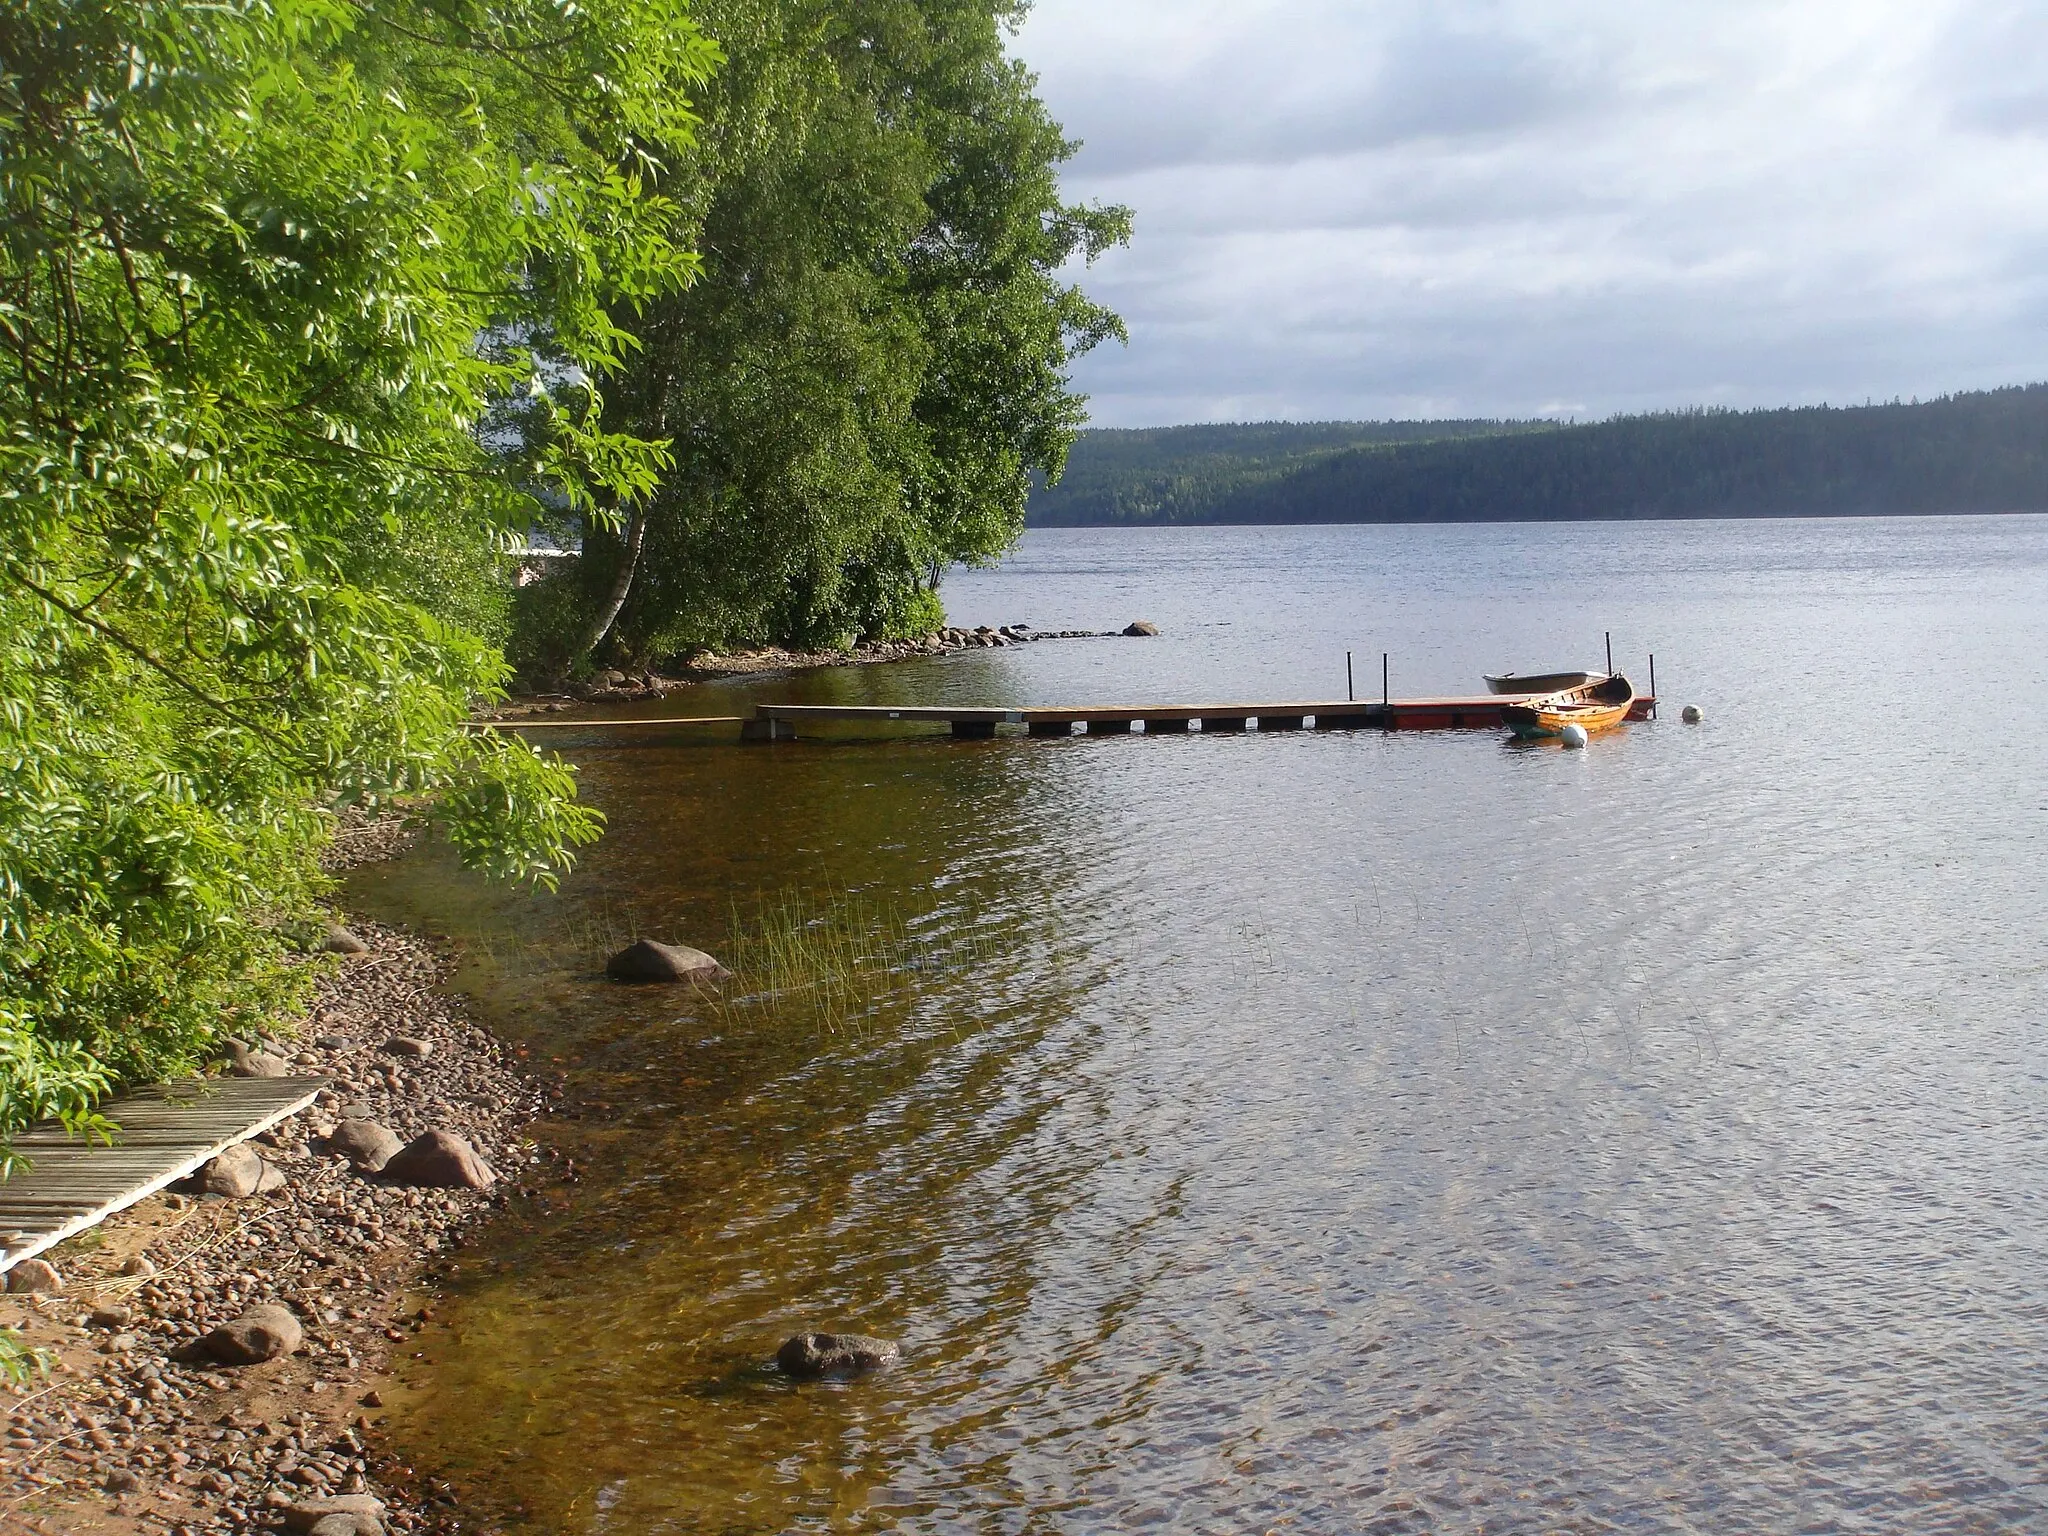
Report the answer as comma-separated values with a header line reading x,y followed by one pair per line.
x,y
1571,207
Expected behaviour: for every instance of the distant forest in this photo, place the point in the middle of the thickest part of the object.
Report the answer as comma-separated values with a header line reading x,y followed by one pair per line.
x,y
1985,452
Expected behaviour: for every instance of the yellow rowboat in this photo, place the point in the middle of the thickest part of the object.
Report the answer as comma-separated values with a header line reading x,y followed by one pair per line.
x,y
1594,706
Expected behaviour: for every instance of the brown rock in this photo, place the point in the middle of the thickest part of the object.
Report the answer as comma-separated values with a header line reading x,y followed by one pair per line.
x,y
407,1045
34,1277
243,1062
340,941
647,961
274,1178
439,1160
834,1354
365,1143
363,1512
235,1173
260,1334
113,1318
138,1265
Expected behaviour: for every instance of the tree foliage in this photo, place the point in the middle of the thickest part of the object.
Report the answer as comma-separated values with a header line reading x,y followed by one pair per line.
x,y
1985,452
875,360
266,269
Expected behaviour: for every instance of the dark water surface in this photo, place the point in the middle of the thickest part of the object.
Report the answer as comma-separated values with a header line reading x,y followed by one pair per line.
x,y
1315,1132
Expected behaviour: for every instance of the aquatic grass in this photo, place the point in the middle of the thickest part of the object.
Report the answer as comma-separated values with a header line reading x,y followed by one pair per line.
x,y
827,960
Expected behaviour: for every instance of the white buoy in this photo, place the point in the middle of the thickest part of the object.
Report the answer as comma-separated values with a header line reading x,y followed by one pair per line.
x,y
1691,714
1573,735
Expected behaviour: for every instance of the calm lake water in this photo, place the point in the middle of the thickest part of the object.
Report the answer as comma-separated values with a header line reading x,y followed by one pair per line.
x,y
1317,1133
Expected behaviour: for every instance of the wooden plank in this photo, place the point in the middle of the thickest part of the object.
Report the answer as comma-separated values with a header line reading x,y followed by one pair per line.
x,y
609,724
168,1130
1450,712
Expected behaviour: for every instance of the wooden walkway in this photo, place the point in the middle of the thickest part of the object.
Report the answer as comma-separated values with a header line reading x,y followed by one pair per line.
x,y
167,1131
784,722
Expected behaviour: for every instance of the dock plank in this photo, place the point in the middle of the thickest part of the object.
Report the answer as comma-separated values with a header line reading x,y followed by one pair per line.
x,y
168,1130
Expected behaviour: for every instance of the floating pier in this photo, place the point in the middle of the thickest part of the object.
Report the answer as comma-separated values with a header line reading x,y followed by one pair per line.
x,y
166,1132
785,722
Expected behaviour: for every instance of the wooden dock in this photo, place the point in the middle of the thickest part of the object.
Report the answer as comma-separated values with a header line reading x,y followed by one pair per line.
x,y
167,1132
784,722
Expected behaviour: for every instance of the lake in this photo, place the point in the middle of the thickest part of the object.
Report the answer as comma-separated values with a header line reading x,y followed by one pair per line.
x,y
1307,1132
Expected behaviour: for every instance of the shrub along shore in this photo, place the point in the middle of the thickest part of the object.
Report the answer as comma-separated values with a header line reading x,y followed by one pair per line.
x,y
143,1424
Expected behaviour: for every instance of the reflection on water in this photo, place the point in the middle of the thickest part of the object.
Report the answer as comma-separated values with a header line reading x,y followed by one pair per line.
x,y
1335,1132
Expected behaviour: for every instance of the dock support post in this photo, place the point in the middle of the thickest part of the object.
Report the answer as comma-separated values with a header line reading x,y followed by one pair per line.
x,y
1350,693
974,730
1610,653
1653,685
767,730
1386,695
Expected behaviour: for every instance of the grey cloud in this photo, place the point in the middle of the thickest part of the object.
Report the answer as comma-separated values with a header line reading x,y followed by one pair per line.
x,y
1544,206
1423,82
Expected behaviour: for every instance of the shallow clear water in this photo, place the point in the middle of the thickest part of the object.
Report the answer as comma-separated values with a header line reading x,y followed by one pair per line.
x,y
1317,1132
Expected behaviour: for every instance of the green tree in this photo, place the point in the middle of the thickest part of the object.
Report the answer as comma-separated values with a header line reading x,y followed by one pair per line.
x,y
875,361
266,268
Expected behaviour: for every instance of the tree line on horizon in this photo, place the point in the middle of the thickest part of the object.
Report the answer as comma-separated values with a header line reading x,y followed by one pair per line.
x,y
1978,452
314,312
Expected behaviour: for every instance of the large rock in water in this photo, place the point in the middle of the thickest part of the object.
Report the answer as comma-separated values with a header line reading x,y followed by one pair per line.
x,y
647,961
1142,628
835,1354
439,1160
259,1334
366,1144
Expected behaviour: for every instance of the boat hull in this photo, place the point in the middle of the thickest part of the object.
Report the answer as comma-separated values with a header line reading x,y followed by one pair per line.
x,y
1540,682
1596,706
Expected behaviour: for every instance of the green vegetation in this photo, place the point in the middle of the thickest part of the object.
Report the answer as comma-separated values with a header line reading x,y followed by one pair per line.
x,y
312,310
1967,453
874,362
1184,474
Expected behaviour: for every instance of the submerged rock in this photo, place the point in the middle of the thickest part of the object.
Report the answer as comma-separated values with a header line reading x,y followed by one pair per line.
x,y
439,1160
647,961
259,1334
835,1354
1142,628
365,1143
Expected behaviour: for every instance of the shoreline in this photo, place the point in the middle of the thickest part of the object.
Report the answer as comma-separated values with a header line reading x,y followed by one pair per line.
x,y
611,686
122,1439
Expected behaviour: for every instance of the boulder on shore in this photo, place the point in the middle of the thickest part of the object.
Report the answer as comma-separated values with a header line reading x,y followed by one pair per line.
x,y
243,1062
810,1355
34,1277
439,1160
364,1513
1142,628
259,1334
235,1173
340,941
647,961
366,1144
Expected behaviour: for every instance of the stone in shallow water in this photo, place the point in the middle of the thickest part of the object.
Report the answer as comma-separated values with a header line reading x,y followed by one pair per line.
x,y
835,1354
647,961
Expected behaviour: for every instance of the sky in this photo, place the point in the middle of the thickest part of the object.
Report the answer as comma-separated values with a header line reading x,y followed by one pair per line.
x,y
1573,208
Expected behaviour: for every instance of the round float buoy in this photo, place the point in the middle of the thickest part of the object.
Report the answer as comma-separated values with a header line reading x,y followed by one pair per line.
x,y
1691,714
1573,736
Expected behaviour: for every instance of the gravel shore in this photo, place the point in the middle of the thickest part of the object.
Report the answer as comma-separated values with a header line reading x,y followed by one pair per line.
x,y
122,1437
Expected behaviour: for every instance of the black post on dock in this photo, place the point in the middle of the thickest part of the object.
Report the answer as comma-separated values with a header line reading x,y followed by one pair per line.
x,y
1350,693
1610,653
1653,685
1386,695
